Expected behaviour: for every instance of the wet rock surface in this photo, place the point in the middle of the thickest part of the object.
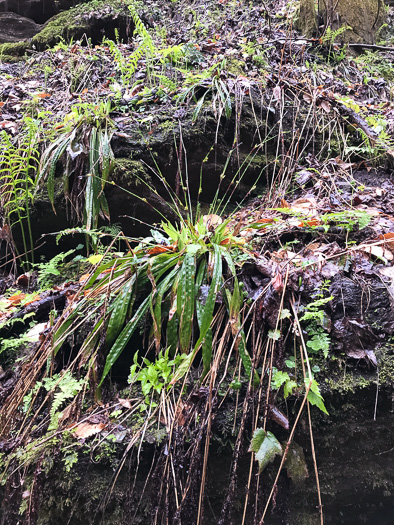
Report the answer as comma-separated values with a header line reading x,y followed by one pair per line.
x,y
38,10
14,28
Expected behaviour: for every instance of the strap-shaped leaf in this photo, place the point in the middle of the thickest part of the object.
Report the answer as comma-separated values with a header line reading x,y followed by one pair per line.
x,y
106,156
185,301
172,328
119,311
52,168
207,352
207,315
124,338
156,311
89,202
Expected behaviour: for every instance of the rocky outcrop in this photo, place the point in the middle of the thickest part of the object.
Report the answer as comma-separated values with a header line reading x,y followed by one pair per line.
x,y
93,21
14,28
38,10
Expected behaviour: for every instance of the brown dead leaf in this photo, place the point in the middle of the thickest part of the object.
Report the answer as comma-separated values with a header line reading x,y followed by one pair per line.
x,y
389,240
23,280
342,164
66,412
211,221
35,298
306,206
85,430
277,93
377,251
326,106
159,249
16,299
125,403
277,283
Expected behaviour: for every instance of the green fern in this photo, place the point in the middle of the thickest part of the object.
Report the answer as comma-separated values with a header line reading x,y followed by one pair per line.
x,y
65,387
18,164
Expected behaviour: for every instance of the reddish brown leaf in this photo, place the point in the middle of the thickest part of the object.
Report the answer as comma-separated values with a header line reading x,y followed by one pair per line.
x,y
277,283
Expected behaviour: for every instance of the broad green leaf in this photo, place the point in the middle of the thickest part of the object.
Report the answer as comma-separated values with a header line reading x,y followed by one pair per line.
x,y
265,446
285,313
185,301
278,378
288,388
295,463
94,259
119,311
207,352
156,311
314,396
274,334
124,338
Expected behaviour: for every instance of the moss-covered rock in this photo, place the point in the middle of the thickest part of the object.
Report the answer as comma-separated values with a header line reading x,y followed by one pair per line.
x,y
9,52
93,20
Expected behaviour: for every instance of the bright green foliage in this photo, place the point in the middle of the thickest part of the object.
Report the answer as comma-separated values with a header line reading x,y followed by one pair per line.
x,y
214,86
314,396
156,376
349,220
64,388
265,446
164,283
280,378
18,164
314,315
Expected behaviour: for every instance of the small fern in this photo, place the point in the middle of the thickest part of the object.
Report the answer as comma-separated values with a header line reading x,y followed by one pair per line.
x,y
65,387
18,163
47,271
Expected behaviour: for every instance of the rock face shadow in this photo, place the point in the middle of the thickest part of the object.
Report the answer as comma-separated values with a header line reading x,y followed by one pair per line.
x,y
14,28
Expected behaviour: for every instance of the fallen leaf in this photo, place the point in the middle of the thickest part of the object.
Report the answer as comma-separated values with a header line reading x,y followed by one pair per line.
x,y
377,251
23,280
16,299
342,164
326,106
85,430
212,220
305,205
277,283
389,240
158,249
34,333
35,298
277,93
125,403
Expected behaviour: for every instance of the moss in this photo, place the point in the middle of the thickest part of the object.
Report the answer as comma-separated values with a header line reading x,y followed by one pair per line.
x,y
386,367
237,67
70,24
76,22
364,19
349,383
9,52
129,172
